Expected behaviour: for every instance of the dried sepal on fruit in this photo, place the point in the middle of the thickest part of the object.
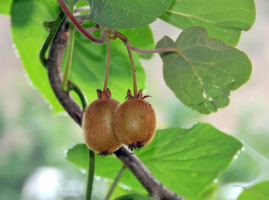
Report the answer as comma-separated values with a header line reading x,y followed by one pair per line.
x,y
135,121
97,124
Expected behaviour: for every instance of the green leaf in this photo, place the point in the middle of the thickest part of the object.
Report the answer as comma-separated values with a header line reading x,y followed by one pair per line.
x,y
89,59
122,14
28,34
259,191
5,7
134,196
204,71
223,19
184,160
106,167
88,68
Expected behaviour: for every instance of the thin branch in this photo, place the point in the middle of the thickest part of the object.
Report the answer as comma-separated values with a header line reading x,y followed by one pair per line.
x,y
54,70
78,25
113,186
130,160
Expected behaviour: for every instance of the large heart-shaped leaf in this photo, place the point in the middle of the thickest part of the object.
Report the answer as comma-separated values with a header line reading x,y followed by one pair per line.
x,y
123,14
88,66
223,19
204,71
184,160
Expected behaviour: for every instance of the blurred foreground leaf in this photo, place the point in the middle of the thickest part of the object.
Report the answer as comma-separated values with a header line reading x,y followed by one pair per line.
x,y
5,7
204,71
259,191
184,160
222,19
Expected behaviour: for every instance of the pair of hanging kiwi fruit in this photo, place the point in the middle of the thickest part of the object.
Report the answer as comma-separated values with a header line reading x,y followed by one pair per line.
x,y
107,124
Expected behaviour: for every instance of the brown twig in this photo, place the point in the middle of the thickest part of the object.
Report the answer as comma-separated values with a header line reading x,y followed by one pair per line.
x,y
131,161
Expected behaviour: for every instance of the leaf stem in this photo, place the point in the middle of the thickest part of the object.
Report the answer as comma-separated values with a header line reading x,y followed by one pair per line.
x,y
69,51
52,32
81,95
107,59
92,29
90,175
115,183
79,26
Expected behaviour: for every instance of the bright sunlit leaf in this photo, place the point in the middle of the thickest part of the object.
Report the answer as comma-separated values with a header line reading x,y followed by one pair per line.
x,y
89,59
5,7
185,160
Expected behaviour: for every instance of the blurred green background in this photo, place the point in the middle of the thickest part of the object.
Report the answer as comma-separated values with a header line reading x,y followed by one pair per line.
x,y
33,138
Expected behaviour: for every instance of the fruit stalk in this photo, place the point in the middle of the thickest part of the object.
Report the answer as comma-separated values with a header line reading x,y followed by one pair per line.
x,y
128,45
131,161
107,59
115,183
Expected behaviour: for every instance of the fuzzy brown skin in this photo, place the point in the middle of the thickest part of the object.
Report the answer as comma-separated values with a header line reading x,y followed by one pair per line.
x,y
97,125
135,123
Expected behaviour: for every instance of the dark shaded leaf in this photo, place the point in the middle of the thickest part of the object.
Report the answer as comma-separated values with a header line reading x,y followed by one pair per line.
x,y
222,19
123,14
204,71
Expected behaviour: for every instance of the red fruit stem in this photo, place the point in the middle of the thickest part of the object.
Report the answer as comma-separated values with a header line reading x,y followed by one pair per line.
x,y
78,25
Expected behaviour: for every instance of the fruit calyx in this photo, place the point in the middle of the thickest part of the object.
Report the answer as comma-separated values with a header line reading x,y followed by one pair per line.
x,y
105,94
139,95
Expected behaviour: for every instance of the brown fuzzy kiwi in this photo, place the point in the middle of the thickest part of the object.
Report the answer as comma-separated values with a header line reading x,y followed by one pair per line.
x,y
135,122
97,124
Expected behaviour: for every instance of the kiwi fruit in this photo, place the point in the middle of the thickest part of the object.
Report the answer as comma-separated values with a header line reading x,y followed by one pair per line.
x,y
97,124
135,122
